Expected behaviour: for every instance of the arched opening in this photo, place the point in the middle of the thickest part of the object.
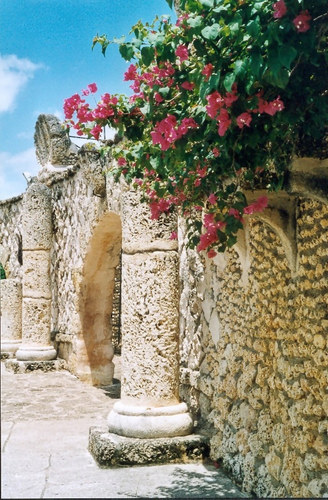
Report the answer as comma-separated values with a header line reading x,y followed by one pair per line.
x,y
95,347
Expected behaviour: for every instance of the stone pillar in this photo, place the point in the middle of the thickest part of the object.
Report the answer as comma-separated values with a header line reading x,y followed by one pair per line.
x,y
11,316
36,313
149,406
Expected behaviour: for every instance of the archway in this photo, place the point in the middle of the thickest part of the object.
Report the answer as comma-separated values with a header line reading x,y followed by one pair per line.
x,y
95,350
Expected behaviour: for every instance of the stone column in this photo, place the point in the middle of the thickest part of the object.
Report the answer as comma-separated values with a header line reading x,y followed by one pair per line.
x,y
37,238
149,406
11,316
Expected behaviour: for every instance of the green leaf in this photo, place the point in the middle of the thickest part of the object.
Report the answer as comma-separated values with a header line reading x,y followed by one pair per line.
x,y
147,54
253,28
164,91
195,22
287,55
255,63
126,51
211,84
229,80
207,3
211,32
170,3
240,67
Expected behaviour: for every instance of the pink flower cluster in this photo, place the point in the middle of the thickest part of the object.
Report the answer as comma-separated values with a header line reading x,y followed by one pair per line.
x,y
301,22
257,206
168,131
106,108
182,52
160,76
271,108
218,106
211,234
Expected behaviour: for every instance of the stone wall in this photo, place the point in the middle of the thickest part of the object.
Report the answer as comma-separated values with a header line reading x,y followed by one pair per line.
x,y
253,321
11,237
254,357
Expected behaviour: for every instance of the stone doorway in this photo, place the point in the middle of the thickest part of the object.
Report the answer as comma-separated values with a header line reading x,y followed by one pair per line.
x,y
95,348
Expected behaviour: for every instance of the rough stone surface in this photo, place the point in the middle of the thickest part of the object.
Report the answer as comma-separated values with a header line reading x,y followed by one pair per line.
x,y
37,218
36,272
15,366
11,236
150,315
11,314
263,370
253,321
36,324
110,449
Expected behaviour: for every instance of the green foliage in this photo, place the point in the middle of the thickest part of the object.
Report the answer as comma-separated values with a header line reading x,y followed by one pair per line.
x,y
252,81
2,272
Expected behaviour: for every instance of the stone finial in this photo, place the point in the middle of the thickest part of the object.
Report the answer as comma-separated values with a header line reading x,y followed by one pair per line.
x,y
53,146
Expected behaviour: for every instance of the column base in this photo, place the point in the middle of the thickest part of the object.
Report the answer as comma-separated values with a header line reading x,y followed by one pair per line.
x,y
9,348
112,450
154,422
15,366
36,353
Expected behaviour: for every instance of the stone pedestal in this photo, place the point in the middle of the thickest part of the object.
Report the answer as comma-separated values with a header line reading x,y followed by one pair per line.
x,y
150,412
11,316
36,310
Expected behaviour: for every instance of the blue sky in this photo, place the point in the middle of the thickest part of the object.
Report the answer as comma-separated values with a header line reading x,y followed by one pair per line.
x,y
46,56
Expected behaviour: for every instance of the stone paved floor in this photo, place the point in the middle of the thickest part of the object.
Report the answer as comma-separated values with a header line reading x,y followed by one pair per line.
x,y
44,437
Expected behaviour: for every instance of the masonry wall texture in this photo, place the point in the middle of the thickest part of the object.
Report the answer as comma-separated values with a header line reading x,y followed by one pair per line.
x,y
255,360
253,321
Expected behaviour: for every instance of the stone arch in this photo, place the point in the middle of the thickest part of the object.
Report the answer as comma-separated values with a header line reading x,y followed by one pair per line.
x,y
95,350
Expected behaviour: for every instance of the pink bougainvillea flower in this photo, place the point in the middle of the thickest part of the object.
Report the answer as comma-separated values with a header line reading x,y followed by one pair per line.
x,y
257,206
244,119
71,105
301,22
93,88
174,235
280,9
216,152
271,108
231,97
211,253
215,102
212,199
186,123
188,85
236,214
131,73
207,71
197,182
121,161
182,52
96,131
158,98
224,122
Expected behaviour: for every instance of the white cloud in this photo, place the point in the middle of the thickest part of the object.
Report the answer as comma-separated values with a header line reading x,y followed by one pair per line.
x,y
12,182
14,74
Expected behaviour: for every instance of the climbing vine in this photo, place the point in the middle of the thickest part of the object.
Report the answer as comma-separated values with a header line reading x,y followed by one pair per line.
x,y
222,98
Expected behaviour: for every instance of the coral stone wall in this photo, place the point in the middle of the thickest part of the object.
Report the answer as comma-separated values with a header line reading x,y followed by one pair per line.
x,y
11,236
255,359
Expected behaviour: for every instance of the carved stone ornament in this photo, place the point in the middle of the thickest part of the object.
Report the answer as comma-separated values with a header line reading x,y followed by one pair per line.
x,y
53,146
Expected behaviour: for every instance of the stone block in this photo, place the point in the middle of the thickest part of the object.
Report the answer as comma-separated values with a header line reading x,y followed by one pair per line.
x,y
112,450
36,321
150,310
36,274
11,314
140,232
15,366
36,218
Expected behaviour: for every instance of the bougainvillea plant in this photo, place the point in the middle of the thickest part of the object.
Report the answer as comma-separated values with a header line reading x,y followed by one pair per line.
x,y
221,100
